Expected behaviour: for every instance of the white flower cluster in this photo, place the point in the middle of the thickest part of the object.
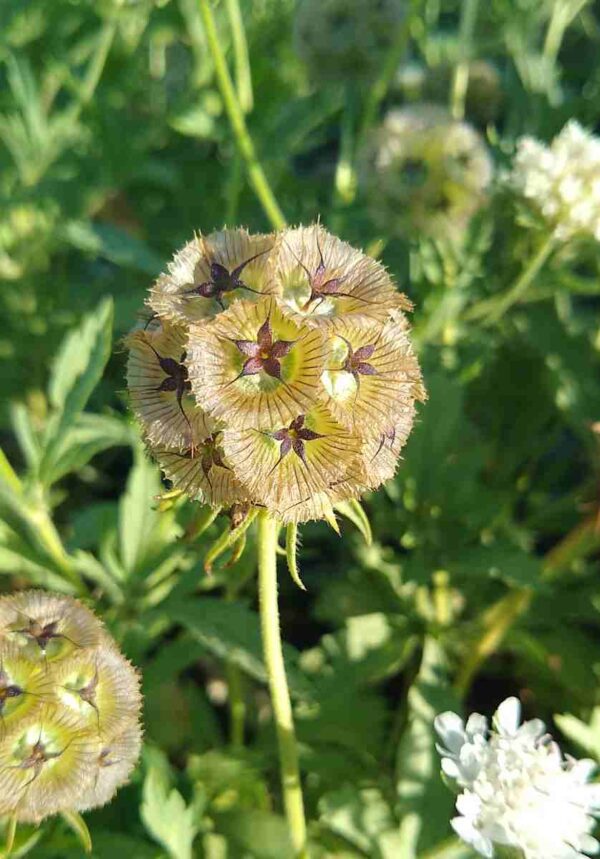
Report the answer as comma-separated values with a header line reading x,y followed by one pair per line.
x,y
562,180
517,789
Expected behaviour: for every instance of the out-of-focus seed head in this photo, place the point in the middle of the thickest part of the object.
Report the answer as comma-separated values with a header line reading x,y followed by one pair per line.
x,y
345,39
290,397
65,693
424,171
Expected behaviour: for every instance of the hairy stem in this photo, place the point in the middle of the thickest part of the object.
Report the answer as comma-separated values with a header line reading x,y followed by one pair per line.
x,y
244,143
280,696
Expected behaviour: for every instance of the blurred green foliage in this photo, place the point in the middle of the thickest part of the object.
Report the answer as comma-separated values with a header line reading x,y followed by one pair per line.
x,y
482,578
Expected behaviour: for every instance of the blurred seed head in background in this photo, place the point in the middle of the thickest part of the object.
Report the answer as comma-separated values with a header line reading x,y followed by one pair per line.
x,y
423,171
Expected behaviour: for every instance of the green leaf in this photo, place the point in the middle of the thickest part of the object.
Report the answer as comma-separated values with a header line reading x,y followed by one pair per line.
x,y
77,370
143,531
262,834
89,435
114,244
231,631
425,802
23,429
361,817
166,816
586,736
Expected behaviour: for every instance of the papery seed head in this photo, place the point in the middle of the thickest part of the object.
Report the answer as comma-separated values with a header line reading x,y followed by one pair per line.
x,y
47,626
118,755
424,171
211,272
254,365
46,762
160,390
100,687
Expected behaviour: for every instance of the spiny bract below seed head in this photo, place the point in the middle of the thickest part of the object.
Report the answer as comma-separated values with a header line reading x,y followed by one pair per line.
x,y
424,170
296,390
65,693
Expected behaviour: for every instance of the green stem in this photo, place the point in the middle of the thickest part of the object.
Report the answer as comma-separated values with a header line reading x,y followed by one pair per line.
x,y
460,81
97,63
563,14
280,696
243,75
493,309
244,143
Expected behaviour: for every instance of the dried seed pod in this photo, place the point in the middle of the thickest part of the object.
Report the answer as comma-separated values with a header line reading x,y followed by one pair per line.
x,y
424,171
372,375
65,693
47,626
101,688
289,465
46,763
255,366
114,764
209,273
204,473
160,390
320,277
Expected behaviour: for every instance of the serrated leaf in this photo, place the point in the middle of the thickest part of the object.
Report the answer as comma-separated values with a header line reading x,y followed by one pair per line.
x,y
361,817
167,818
89,435
76,371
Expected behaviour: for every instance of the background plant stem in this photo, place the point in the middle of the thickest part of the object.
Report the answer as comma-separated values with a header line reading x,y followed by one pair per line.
x,y
280,696
460,82
244,143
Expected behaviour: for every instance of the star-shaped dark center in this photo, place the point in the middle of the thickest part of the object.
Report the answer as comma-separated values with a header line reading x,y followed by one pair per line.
x,y
176,380
42,634
294,437
263,353
321,285
356,361
222,281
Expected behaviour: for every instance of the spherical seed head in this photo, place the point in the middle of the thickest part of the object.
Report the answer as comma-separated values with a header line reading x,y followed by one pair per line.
x,y
209,273
345,39
254,365
423,170
117,757
100,688
322,278
47,627
288,390
160,389
46,762
562,181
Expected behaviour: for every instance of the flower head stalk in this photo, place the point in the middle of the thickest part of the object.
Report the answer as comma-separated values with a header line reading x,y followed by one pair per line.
x,y
516,789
